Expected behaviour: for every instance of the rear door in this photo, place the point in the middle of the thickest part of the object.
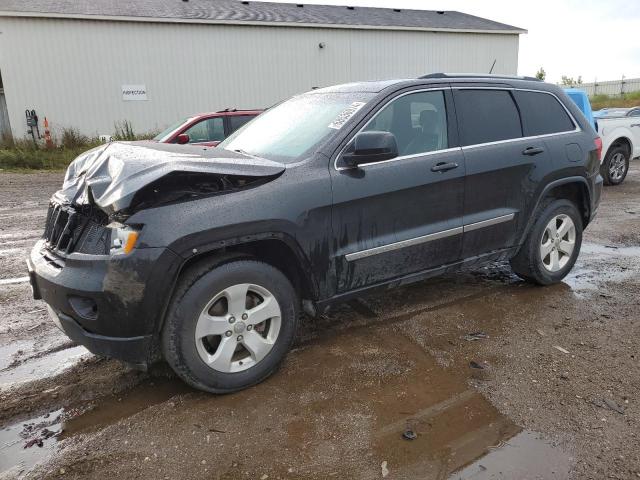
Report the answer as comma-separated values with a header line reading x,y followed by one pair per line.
x,y
500,167
394,218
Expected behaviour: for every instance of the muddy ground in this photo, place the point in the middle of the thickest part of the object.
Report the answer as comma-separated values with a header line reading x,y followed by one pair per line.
x,y
558,394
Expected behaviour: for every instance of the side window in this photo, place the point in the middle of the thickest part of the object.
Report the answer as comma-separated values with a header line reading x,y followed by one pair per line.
x,y
635,113
542,114
487,116
417,120
236,121
209,130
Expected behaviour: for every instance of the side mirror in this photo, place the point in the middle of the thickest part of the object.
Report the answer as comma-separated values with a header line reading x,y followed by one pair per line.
x,y
369,147
182,139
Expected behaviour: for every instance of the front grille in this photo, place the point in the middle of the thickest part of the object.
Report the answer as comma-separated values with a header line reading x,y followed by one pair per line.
x,y
68,230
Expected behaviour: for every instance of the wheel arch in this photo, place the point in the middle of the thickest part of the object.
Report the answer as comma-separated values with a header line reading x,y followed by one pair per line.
x,y
277,250
575,189
620,140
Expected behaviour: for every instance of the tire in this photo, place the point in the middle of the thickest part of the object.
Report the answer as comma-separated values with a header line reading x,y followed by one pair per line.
x,y
529,263
615,166
195,337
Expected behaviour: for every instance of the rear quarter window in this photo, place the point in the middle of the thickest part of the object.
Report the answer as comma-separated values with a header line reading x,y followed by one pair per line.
x,y
487,116
542,114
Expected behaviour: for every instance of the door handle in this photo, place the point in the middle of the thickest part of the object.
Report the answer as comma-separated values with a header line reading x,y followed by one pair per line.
x,y
635,124
532,150
444,166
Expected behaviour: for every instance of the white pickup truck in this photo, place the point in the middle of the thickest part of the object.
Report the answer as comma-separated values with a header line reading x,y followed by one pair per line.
x,y
620,132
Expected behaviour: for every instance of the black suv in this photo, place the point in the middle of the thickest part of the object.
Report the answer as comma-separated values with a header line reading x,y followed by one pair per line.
x,y
207,256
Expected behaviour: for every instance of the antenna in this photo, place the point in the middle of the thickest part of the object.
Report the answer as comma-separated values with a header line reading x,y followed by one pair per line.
x,y
494,64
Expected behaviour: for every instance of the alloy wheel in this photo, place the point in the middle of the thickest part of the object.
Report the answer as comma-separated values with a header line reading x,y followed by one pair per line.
x,y
238,328
558,242
617,166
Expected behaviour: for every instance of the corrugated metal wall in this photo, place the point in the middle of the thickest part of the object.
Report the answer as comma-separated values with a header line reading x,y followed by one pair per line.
x,y
5,128
71,71
612,87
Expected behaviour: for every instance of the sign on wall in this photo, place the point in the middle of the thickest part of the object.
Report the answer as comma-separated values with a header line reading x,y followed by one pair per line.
x,y
134,92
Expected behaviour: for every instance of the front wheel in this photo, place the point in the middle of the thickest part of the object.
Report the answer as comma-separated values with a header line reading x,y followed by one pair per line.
x,y
231,326
615,166
552,245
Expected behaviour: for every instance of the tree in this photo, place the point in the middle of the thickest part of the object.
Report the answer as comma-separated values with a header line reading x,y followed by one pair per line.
x,y
570,81
541,74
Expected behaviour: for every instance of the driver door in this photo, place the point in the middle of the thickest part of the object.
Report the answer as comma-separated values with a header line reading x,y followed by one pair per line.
x,y
401,216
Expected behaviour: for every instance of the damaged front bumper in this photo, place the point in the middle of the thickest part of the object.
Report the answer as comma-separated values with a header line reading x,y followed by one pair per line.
x,y
113,305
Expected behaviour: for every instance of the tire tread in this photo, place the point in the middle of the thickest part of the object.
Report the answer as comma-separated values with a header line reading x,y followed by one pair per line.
x,y
170,332
526,262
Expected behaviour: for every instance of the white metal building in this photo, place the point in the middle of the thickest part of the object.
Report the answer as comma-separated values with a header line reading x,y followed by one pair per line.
x,y
89,63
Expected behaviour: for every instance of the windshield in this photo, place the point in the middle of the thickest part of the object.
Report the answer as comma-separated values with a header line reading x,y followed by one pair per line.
x,y
165,133
292,129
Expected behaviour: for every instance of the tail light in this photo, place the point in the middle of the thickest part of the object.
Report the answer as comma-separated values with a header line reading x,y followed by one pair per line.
x,y
598,143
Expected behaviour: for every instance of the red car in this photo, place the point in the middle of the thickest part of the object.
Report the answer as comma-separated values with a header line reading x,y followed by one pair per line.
x,y
206,128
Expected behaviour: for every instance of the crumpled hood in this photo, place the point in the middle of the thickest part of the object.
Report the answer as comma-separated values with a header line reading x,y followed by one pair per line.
x,y
110,175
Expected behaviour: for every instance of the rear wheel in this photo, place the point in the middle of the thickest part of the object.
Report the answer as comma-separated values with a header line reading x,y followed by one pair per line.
x,y
230,327
552,245
615,166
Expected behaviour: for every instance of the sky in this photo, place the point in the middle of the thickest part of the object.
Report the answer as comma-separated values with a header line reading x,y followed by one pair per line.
x,y
595,39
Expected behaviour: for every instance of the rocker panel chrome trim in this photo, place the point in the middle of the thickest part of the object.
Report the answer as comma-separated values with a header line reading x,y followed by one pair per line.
x,y
350,257
487,223
402,244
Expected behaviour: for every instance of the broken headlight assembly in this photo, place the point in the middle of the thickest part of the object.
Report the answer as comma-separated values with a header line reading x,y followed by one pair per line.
x,y
123,238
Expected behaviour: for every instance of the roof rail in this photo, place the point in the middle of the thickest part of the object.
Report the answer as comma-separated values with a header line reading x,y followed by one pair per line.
x,y
478,75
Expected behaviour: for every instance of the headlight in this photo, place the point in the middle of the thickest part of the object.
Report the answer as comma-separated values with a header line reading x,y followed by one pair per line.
x,y
123,238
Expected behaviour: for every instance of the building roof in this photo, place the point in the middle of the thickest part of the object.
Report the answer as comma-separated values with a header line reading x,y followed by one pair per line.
x,y
255,13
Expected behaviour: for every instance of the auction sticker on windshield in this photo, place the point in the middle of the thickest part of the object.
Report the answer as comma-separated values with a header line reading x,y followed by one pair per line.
x,y
346,114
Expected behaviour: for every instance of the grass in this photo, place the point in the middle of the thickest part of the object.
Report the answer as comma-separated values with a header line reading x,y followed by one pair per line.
x,y
24,156
606,101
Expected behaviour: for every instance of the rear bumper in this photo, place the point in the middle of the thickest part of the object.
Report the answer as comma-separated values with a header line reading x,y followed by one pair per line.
x,y
596,193
112,306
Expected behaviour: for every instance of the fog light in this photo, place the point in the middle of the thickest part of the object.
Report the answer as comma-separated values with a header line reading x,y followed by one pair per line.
x,y
84,307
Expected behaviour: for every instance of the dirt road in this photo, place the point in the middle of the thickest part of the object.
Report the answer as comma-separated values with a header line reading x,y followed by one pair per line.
x,y
494,377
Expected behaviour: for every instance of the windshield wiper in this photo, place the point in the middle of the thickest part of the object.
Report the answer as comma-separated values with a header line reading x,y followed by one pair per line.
x,y
239,150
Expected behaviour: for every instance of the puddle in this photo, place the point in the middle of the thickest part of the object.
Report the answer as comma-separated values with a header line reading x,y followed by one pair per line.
x,y
9,281
600,265
591,276
24,444
114,408
11,251
609,250
340,408
453,423
518,458
343,400
42,367
29,234
590,280
28,443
